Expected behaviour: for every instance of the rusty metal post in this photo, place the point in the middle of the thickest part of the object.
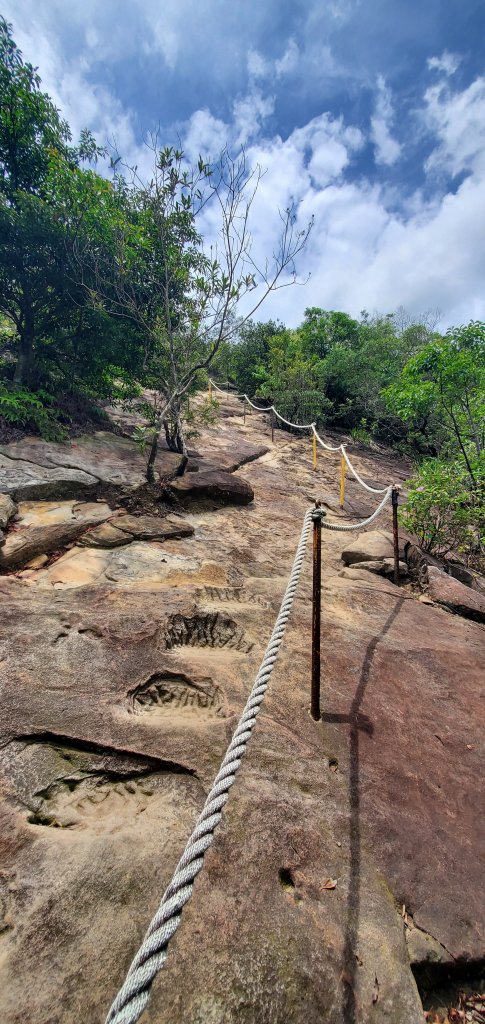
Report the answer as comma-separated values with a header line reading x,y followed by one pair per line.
x,y
210,391
395,533
317,516
342,481
244,411
272,426
314,451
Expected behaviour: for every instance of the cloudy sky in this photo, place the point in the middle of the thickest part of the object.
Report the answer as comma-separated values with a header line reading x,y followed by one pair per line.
x,y
369,114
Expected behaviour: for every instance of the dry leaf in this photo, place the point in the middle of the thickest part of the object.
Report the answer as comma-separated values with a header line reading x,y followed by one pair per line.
x,y
375,992
330,883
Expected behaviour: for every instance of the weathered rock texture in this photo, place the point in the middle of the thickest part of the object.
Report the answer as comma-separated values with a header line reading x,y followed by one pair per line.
x,y
455,595
124,672
215,485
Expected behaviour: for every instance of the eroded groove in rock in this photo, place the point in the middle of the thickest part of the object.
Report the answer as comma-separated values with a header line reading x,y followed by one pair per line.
x,y
234,595
83,785
116,760
165,691
72,802
206,630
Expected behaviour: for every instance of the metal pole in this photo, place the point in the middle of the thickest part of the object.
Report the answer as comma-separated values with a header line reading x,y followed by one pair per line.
x,y
244,411
317,516
395,534
210,391
272,426
314,451
342,482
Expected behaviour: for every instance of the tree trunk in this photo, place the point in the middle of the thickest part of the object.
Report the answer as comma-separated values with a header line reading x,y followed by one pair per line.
x,y
183,447
152,457
23,369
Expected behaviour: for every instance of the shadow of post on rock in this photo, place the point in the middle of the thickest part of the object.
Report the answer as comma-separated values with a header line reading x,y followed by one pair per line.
x,y
358,723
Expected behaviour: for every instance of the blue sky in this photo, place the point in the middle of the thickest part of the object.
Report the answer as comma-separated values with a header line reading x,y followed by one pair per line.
x,y
370,114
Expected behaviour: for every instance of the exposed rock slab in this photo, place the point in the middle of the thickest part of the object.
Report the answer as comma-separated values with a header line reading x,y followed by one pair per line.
x,y
8,510
126,528
34,468
46,526
455,595
376,545
385,567
214,485
123,671
23,480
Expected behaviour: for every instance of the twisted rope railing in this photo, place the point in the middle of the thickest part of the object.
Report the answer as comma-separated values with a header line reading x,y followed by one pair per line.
x,y
134,994
307,426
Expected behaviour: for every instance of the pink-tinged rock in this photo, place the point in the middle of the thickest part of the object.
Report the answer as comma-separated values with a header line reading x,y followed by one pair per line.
x,y
213,485
455,595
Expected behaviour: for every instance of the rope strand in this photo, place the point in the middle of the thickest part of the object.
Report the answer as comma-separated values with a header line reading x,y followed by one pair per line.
x,y
134,994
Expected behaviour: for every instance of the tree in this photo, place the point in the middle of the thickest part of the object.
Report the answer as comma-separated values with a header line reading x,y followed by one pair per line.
x,y
182,299
443,388
34,287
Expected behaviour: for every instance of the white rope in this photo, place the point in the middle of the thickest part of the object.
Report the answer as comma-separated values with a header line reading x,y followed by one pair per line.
x,y
228,394
298,426
310,426
258,408
134,994
328,447
365,522
373,490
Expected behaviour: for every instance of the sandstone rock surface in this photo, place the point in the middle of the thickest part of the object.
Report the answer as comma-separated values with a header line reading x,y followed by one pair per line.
x,y
47,526
8,509
455,595
214,485
124,672
376,545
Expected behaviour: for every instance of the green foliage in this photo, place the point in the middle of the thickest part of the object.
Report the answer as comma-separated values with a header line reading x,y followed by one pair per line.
x,y
441,391
361,433
20,407
441,511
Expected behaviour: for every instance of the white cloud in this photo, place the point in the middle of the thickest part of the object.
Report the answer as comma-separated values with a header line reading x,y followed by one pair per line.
x,y
361,252
250,113
458,121
447,63
261,67
205,135
289,60
258,67
387,149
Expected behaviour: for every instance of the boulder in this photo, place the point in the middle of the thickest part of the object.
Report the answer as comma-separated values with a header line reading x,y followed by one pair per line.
x,y
455,595
128,528
23,480
155,527
370,547
8,509
214,485
47,526
106,535
384,567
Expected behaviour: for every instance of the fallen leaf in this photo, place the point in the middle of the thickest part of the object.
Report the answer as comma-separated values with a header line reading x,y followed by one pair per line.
x,y
375,992
330,883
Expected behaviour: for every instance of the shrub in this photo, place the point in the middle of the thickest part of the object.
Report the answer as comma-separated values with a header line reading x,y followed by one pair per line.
x,y
20,407
441,509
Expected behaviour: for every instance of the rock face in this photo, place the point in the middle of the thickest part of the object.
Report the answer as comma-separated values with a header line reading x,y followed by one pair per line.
x,y
455,595
124,672
33,468
8,509
127,528
375,546
214,485
46,527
